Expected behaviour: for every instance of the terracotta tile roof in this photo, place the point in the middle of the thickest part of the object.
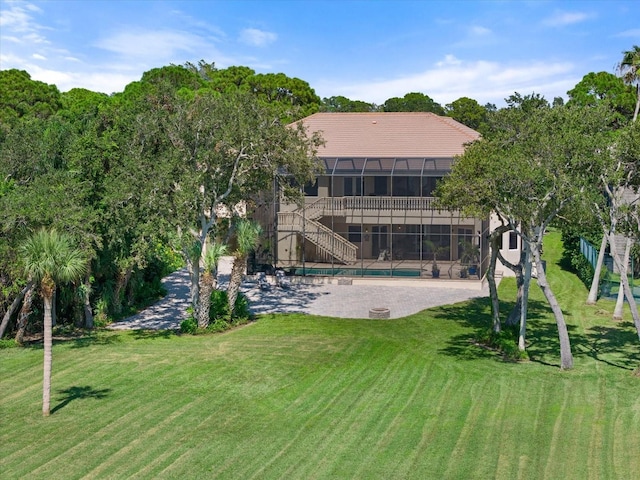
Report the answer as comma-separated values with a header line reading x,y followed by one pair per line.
x,y
389,134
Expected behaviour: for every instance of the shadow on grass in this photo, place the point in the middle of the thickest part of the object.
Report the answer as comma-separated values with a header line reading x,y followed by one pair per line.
x,y
76,393
75,340
615,345
95,338
153,334
476,315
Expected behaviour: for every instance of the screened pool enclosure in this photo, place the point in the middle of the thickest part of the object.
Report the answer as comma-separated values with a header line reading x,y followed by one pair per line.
x,y
377,217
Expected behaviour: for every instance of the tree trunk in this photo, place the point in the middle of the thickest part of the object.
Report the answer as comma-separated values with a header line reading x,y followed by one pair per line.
x,y
54,297
514,316
23,316
13,307
206,288
625,285
88,313
566,357
47,294
237,272
635,113
121,285
617,312
494,239
194,290
592,298
524,300
493,289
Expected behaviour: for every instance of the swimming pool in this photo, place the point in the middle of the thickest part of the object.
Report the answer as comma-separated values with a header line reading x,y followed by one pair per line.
x,y
358,272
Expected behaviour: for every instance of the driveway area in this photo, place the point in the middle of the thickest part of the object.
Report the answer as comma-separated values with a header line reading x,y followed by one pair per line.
x,y
346,301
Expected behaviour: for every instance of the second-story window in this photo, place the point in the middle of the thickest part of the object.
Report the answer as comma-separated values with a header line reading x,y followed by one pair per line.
x,y
352,186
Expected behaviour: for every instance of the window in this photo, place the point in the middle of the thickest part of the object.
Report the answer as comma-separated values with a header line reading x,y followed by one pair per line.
x,y
355,233
429,185
406,186
380,186
513,241
311,189
352,186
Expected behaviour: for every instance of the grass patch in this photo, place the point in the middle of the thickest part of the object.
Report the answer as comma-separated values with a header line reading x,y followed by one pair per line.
x,y
294,396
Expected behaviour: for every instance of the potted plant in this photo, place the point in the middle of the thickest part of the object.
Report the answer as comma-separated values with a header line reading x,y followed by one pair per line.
x,y
435,251
469,258
464,271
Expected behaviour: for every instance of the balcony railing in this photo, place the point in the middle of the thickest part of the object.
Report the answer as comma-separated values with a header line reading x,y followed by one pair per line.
x,y
337,205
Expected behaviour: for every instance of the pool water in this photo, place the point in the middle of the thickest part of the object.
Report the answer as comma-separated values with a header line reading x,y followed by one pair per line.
x,y
358,272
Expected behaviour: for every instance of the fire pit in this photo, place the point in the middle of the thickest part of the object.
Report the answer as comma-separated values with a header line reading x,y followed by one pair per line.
x,y
379,312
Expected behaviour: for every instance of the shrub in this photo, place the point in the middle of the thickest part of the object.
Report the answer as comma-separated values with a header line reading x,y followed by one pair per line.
x,y
219,315
573,260
189,326
220,308
8,343
505,341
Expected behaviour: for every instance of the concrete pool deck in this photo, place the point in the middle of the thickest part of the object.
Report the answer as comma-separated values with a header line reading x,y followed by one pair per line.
x,y
401,297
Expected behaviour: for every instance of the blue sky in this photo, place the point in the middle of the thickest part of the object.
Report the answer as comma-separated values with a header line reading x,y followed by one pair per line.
x,y
365,50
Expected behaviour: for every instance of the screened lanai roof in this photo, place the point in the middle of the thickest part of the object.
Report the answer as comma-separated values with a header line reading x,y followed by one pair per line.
x,y
386,166
389,135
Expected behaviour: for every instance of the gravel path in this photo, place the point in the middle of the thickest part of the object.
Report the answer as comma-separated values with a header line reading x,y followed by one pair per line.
x,y
346,301
165,314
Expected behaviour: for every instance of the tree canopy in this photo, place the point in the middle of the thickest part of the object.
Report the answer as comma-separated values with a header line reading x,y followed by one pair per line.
x,y
413,102
534,163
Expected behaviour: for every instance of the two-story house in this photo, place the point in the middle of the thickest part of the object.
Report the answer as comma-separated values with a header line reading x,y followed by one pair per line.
x,y
371,212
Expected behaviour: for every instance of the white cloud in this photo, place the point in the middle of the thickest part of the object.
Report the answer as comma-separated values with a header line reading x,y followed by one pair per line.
x,y
630,33
561,19
37,56
17,18
152,44
451,79
257,38
448,60
9,39
480,31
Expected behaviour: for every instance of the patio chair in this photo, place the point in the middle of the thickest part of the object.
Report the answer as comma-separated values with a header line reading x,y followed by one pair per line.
x,y
383,255
263,283
281,279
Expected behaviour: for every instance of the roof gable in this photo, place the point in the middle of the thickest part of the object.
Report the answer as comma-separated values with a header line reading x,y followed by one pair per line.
x,y
389,134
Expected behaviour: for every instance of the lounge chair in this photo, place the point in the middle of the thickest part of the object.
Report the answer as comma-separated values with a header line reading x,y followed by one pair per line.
x,y
281,279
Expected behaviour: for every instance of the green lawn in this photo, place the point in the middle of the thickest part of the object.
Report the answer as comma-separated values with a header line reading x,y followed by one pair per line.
x,y
297,397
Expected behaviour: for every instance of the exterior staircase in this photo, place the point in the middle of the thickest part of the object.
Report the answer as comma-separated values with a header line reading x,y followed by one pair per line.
x,y
304,221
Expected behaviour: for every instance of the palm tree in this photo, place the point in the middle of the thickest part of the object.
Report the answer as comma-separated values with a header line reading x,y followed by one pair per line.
x,y
208,281
49,257
247,234
629,69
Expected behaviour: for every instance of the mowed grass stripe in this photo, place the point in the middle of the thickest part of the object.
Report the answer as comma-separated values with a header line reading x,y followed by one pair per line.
x,y
329,398
108,427
46,430
428,434
498,463
626,436
457,465
363,420
311,397
397,421
109,438
134,453
556,450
